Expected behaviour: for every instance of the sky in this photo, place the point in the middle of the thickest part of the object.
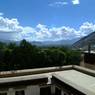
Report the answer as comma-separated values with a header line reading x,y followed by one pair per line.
x,y
43,20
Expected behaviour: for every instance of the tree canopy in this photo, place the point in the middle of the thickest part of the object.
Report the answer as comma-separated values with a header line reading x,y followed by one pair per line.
x,y
27,56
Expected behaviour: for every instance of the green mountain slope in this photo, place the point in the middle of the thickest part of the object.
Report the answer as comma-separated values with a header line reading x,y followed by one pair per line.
x,y
85,41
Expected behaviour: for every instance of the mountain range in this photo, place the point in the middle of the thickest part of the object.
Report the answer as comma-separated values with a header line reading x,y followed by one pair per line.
x,y
54,43
75,43
46,43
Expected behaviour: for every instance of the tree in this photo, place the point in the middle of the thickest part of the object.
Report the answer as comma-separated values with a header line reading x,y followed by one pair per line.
x,y
55,57
11,45
73,58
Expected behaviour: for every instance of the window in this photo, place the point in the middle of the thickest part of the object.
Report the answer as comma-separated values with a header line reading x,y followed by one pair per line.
x,y
21,92
45,91
66,94
3,93
57,91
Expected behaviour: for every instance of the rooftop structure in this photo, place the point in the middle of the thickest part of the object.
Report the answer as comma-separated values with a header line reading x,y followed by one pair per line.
x,y
78,80
66,80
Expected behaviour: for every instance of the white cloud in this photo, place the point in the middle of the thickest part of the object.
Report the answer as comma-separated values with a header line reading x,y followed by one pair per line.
x,y
75,2
58,4
28,33
10,29
9,24
42,32
62,3
87,28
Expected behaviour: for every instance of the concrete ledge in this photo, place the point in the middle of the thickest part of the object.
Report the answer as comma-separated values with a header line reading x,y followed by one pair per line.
x,y
23,80
33,71
45,70
84,70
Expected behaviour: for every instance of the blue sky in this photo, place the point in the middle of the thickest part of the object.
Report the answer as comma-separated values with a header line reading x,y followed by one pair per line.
x,y
46,19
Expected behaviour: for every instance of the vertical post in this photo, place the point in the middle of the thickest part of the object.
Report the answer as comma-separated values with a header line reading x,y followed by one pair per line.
x,y
32,90
89,48
11,91
62,92
52,89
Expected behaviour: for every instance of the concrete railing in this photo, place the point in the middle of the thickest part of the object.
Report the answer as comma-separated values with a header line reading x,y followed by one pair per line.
x,y
33,71
45,70
84,70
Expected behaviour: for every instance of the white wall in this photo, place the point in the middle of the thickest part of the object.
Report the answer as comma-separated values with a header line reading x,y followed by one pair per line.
x,y
11,91
29,90
32,90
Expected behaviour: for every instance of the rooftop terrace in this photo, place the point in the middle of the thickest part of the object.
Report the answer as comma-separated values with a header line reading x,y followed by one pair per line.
x,y
77,77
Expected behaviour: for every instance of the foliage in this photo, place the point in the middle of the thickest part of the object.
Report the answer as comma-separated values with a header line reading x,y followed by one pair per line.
x,y
26,56
73,57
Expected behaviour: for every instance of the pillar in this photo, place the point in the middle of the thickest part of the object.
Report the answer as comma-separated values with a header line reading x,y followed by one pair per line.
x,y
11,91
32,90
62,93
52,89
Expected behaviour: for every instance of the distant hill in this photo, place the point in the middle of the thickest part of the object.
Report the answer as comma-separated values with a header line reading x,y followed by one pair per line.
x,y
83,42
54,43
